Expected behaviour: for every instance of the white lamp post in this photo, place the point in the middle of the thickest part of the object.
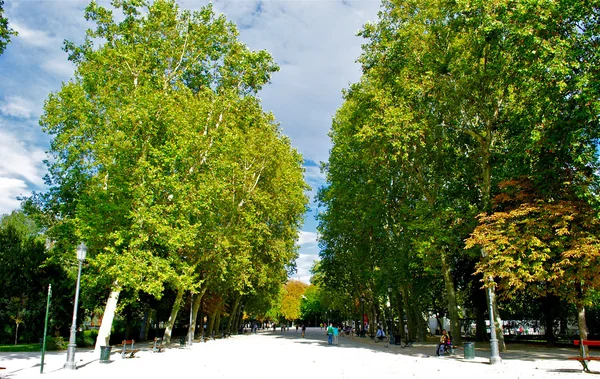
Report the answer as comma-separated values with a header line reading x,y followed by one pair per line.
x,y
71,365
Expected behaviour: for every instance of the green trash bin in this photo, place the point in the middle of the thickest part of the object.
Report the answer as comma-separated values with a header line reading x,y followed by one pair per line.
x,y
182,341
469,350
105,354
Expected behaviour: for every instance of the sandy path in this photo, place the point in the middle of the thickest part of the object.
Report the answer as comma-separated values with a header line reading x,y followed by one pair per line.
x,y
276,355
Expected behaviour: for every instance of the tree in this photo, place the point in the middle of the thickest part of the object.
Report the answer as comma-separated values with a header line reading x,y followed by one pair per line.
x,y
292,299
5,31
544,247
164,160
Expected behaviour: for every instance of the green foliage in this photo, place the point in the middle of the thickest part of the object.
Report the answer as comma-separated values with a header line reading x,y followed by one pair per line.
x,y
87,338
56,343
26,270
5,31
454,99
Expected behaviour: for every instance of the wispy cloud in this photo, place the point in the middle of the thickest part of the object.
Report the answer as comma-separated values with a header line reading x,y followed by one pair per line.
x,y
19,107
21,170
34,37
303,264
307,238
10,188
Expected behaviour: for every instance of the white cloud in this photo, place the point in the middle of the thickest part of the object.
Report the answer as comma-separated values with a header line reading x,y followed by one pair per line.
x,y
307,238
303,264
9,190
33,37
19,107
59,65
21,170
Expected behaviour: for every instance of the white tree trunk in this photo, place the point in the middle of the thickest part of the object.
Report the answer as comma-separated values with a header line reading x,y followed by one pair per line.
x,y
107,320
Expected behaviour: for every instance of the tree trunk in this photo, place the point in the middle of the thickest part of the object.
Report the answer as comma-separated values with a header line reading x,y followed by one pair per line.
x,y
452,306
548,303
419,323
195,308
211,324
146,325
103,338
232,313
16,333
218,323
401,314
233,316
582,324
173,317
410,322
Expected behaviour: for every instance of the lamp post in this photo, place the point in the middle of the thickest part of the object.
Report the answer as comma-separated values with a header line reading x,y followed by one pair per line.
x,y
191,332
362,317
71,365
495,357
391,320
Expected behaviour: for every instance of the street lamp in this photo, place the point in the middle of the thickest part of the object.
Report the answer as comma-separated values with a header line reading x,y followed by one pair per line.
x,y
71,365
192,329
495,356
391,320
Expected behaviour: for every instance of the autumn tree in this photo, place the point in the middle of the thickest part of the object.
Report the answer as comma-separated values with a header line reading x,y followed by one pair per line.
x,y
542,246
293,291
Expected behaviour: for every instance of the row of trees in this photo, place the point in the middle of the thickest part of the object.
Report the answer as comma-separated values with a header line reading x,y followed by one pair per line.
x,y
464,109
164,163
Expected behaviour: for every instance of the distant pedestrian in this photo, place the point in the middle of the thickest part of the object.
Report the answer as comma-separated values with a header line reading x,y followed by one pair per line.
x,y
303,330
296,328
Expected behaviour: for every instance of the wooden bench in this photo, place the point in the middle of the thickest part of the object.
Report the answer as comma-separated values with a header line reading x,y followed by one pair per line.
x,y
584,358
158,346
128,350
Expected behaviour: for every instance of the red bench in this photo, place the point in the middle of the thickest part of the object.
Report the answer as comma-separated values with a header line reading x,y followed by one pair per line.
x,y
584,358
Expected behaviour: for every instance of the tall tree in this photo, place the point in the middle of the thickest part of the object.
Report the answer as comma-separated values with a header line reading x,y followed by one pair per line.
x,y
140,133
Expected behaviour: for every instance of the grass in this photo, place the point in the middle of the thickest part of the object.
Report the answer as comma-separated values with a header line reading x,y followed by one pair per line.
x,y
28,347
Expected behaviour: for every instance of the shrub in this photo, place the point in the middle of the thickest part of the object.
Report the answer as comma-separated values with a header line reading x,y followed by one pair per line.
x,y
56,343
87,338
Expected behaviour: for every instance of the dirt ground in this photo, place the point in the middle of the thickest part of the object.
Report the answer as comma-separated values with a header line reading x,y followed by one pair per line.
x,y
270,354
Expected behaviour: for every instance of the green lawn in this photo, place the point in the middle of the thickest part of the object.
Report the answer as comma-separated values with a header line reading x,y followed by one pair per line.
x,y
20,348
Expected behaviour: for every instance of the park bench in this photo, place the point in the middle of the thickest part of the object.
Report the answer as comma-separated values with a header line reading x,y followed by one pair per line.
x,y
128,350
158,346
583,358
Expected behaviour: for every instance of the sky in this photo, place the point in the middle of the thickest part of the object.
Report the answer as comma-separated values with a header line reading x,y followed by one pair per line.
x,y
314,43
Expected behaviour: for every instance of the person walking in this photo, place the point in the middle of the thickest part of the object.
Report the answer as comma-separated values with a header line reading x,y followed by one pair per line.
x,y
330,334
336,335
303,330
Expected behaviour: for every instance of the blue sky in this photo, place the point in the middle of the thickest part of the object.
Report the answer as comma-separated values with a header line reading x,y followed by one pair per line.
x,y
314,42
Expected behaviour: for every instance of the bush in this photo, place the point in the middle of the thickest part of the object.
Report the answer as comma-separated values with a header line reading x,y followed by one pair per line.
x,y
87,338
56,343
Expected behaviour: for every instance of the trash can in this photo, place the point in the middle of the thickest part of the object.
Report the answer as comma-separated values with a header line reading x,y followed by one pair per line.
x,y
105,354
469,350
397,339
182,341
